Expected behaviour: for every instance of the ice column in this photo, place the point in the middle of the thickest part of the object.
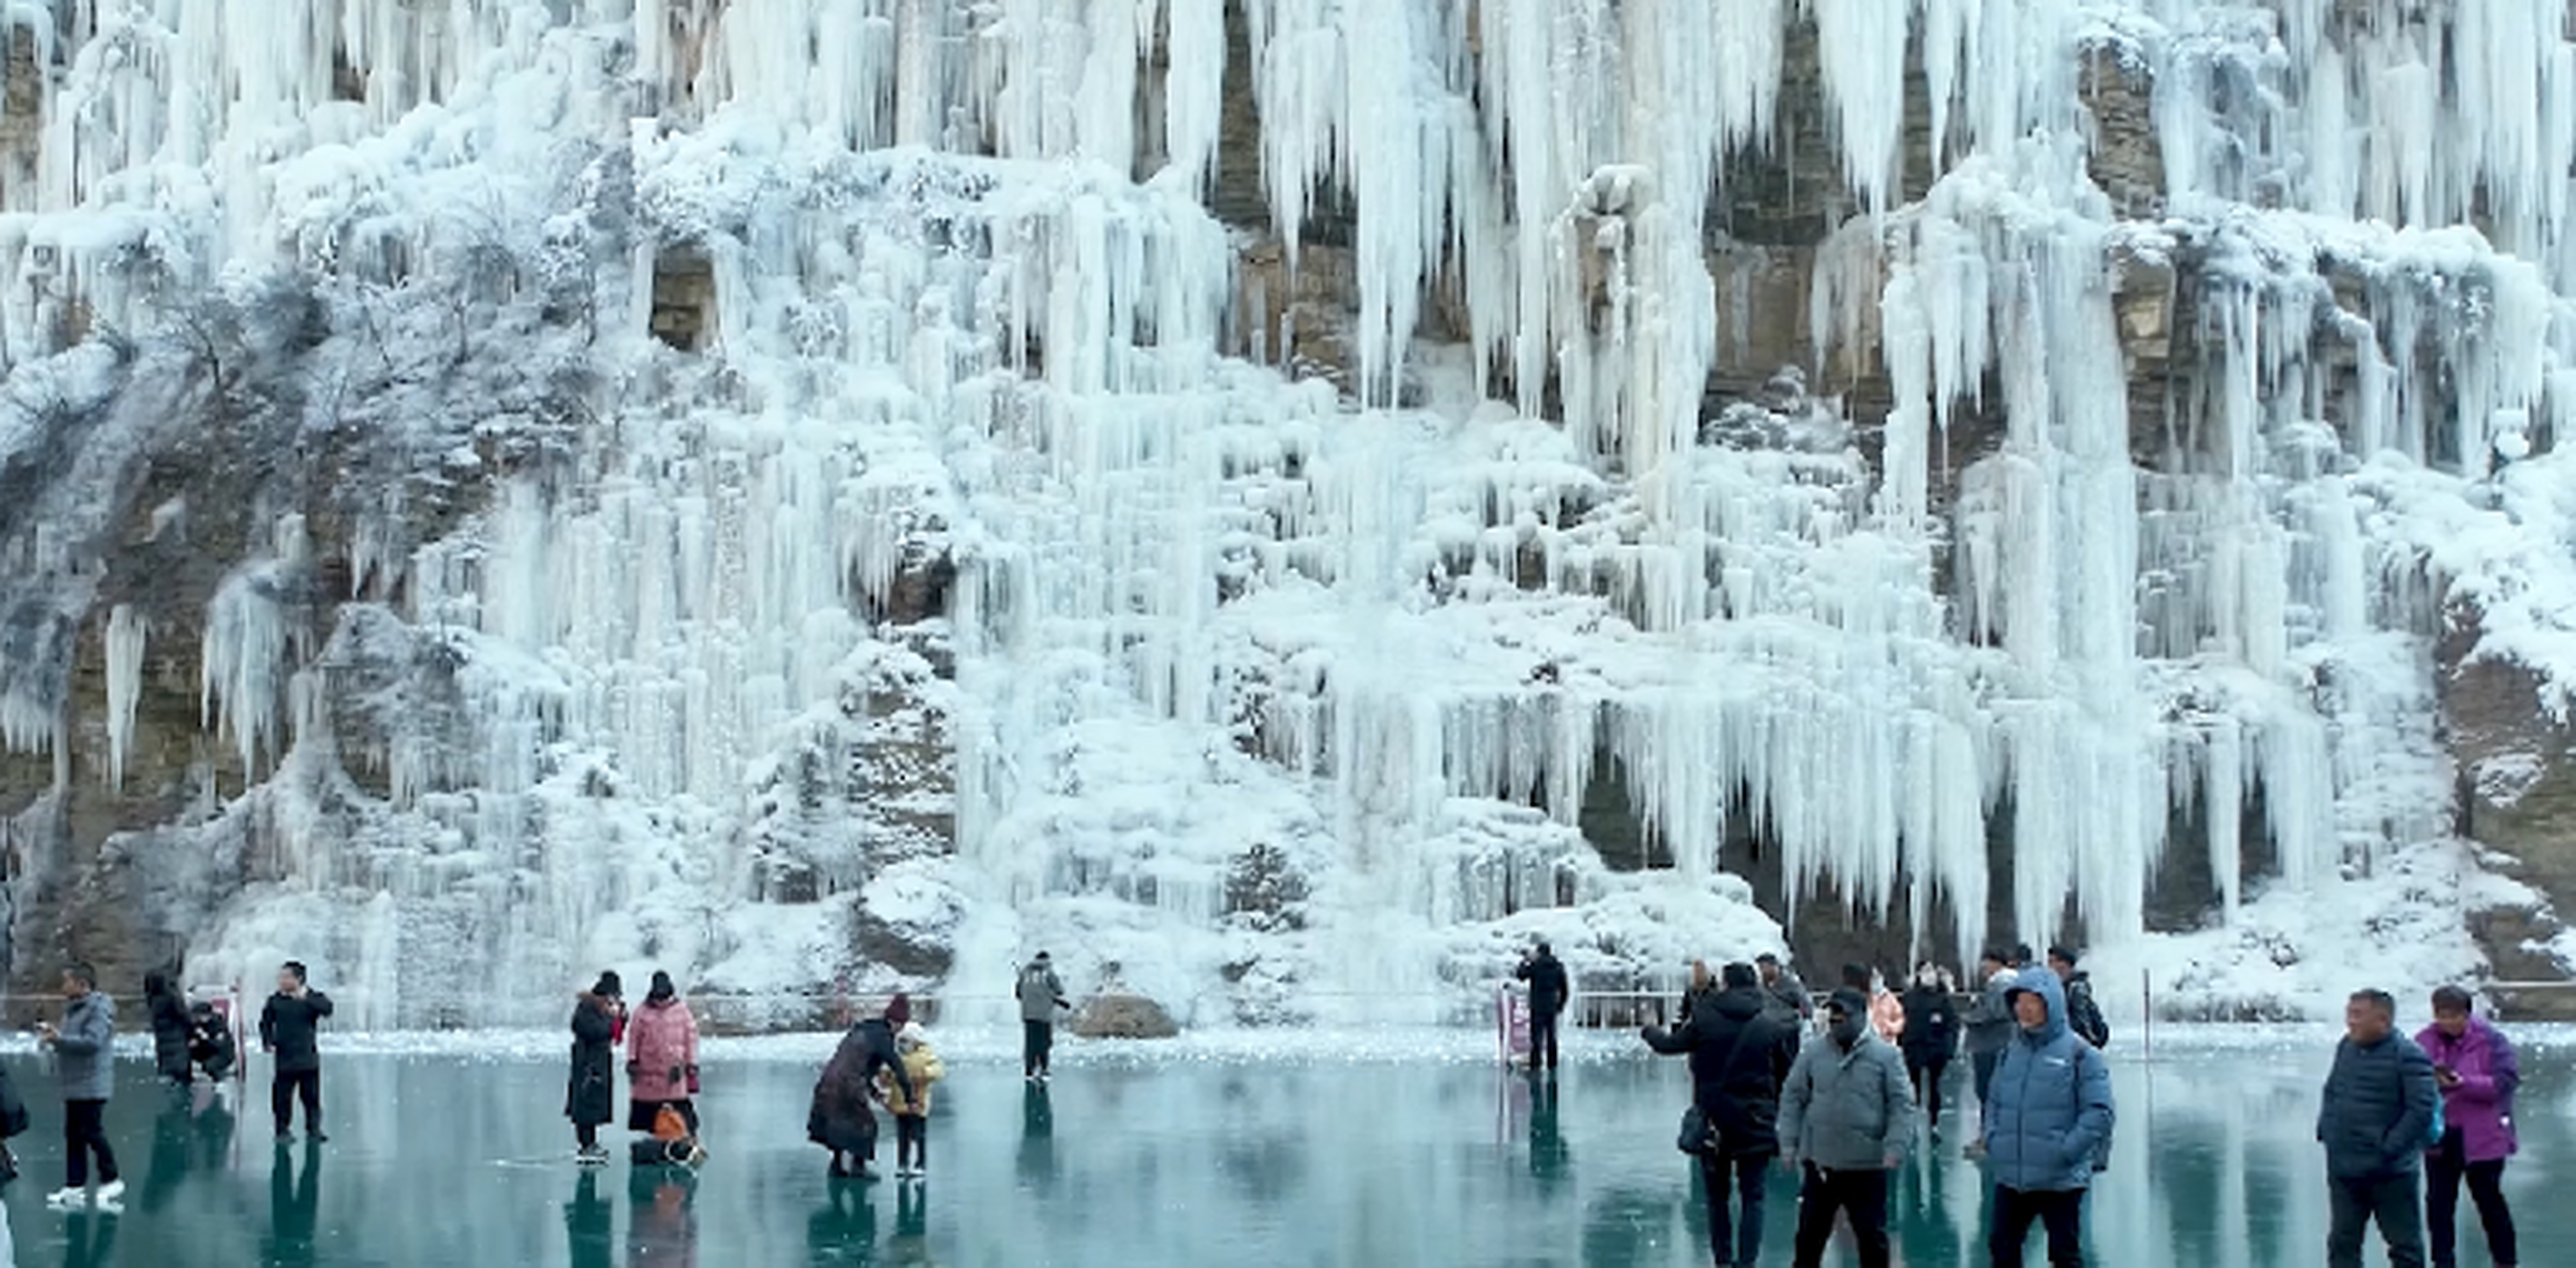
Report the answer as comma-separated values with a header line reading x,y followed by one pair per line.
x,y
126,632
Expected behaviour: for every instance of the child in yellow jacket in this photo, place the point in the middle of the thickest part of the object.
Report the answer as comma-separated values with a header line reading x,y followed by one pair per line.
x,y
912,1114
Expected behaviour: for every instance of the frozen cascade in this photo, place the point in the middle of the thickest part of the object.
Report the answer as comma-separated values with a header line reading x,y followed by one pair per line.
x,y
126,636
1287,700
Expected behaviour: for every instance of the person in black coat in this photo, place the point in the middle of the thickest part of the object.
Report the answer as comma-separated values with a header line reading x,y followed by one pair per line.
x,y
289,1028
210,1040
1548,990
1931,1038
590,1096
840,1119
1740,1051
169,1013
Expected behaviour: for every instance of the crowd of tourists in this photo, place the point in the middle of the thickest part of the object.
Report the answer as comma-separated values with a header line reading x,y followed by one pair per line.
x,y
1835,1094
884,1060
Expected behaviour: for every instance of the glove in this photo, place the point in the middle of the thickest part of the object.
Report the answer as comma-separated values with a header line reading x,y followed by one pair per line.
x,y
693,1080
633,1068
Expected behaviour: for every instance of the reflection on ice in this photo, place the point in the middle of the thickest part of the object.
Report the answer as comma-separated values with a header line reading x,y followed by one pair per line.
x,y
1333,1151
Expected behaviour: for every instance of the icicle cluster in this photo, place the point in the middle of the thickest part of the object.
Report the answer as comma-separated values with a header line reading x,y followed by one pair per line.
x,y
967,302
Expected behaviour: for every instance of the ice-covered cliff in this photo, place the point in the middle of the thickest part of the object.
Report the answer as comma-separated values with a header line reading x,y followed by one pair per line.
x,y
1279,500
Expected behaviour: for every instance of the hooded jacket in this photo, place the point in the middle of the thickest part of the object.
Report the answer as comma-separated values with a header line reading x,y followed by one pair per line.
x,y
923,1067
85,1048
590,1086
2051,1112
2377,1108
1740,1050
1847,1109
1989,1023
661,1050
2480,1105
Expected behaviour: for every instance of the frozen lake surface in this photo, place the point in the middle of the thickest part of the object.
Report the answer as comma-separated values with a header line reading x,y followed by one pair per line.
x,y
1289,1149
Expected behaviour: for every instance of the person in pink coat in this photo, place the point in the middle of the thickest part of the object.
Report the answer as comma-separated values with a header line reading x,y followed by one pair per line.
x,y
2473,1064
661,1058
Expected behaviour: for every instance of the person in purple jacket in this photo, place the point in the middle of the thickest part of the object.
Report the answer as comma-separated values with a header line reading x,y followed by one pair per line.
x,y
2473,1064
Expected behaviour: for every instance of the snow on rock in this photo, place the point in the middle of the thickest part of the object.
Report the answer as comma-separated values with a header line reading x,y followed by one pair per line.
x,y
2504,778
762,488
2296,953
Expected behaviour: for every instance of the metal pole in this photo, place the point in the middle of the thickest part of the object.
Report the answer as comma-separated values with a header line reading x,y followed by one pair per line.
x,y
2147,1024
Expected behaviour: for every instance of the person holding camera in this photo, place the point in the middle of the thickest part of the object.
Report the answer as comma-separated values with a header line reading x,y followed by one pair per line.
x,y
1548,989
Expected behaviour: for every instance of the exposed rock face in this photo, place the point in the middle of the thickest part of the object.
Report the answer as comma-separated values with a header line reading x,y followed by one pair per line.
x,y
1111,1016
2516,796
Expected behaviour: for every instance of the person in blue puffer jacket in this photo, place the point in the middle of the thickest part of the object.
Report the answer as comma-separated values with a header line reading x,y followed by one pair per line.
x,y
2051,1120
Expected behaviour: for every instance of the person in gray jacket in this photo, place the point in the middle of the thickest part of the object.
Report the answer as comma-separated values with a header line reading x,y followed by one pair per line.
x,y
1781,983
84,1049
1040,993
2375,1122
1988,1026
1845,1115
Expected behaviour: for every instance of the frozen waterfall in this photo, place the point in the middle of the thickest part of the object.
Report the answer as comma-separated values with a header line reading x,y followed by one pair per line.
x,y
1239,492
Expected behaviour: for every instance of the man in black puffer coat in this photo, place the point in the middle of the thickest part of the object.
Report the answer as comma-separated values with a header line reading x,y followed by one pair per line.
x,y
1739,1055
2375,1120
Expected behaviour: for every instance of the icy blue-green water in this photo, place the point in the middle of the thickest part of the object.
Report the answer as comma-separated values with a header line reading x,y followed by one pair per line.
x,y
441,1161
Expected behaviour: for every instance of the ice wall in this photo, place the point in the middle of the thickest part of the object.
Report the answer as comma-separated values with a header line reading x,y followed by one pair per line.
x,y
1210,623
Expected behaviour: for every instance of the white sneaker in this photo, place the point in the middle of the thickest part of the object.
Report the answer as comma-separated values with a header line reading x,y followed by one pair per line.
x,y
67,1197
109,1192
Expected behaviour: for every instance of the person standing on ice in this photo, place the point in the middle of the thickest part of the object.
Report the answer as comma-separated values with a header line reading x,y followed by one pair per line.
x,y
1041,993
839,1118
2477,1072
84,1049
1846,1118
590,1094
1702,990
1989,1026
1548,990
169,1013
1786,990
2375,1120
1740,1050
289,1029
911,1109
1931,1038
2048,1128
1886,1012
661,1058
2082,1014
